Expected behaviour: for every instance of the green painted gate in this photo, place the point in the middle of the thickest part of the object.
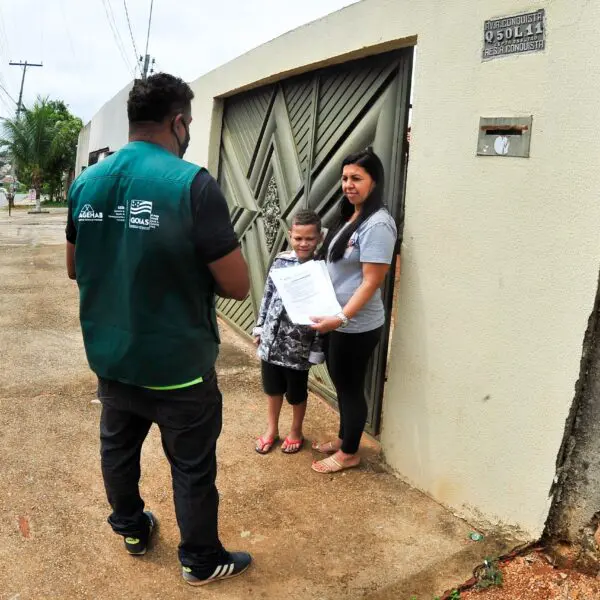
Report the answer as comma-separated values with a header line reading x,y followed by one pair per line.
x,y
282,146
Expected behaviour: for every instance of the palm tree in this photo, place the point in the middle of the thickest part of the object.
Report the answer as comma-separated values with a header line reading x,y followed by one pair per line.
x,y
32,143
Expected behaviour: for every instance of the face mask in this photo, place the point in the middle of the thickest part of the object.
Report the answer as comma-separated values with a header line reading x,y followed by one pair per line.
x,y
183,146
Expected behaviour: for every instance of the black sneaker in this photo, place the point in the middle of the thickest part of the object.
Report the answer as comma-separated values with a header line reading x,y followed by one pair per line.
x,y
235,564
138,546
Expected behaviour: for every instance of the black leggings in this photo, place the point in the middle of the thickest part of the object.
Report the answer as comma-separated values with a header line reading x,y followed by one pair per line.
x,y
348,356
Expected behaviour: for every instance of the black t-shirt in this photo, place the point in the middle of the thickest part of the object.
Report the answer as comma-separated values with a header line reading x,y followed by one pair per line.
x,y
214,236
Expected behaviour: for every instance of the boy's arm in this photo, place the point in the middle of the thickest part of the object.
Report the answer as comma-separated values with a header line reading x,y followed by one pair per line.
x,y
264,305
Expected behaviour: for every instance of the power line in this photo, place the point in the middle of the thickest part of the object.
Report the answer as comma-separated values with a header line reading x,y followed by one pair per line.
x,y
67,28
6,92
117,31
42,19
116,27
131,31
3,36
6,86
116,36
6,105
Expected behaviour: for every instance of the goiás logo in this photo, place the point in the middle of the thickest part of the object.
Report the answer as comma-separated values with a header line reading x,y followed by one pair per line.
x,y
88,213
140,215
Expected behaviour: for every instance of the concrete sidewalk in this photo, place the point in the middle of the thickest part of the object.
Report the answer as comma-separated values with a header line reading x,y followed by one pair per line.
x,y
359,534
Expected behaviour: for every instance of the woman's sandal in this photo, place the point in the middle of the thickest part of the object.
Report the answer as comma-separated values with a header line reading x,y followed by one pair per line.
x,y
264,445
330,465
325,447
285,446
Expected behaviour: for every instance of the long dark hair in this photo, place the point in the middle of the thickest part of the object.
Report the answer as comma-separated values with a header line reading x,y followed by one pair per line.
x,y
369,161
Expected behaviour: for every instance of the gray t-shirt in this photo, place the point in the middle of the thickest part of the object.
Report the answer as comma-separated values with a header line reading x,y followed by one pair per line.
x,y
373,242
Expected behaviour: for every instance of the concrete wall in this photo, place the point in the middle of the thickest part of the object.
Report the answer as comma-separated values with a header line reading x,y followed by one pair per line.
x,y
107,129
500,255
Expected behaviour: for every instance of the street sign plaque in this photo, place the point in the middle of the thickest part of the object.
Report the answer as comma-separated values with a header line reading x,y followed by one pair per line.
x,y
519,34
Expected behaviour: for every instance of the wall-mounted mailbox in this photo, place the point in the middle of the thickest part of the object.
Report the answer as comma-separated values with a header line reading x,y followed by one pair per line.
x,y
504,136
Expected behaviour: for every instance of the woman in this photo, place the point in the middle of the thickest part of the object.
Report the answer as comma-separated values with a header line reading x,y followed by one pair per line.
x,y
358,251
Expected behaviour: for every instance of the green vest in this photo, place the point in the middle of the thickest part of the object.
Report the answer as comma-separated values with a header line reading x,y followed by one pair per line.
x,y
147,302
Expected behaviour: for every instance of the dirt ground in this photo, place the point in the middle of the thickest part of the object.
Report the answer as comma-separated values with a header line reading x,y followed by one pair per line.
x,y
361,534
533,577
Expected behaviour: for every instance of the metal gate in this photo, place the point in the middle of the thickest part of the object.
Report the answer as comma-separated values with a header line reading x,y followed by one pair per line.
x,y
282,146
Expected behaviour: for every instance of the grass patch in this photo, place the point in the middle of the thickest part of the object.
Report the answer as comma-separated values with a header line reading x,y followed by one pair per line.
x,y
57,204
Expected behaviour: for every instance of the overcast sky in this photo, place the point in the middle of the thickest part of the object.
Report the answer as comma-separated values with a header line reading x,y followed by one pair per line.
x,y
84,66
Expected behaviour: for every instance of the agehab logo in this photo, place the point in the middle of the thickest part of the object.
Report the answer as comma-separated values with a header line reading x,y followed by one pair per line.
x,y
140,215
88,214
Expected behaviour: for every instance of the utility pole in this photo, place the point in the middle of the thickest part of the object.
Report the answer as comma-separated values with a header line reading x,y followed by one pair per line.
x,y
145,65
145,60
19,108
24,65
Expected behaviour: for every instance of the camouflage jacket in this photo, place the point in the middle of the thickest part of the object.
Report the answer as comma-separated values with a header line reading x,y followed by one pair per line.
x,y
282,342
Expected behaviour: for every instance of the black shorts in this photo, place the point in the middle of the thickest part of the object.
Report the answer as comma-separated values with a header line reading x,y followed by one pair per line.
x,y
278,381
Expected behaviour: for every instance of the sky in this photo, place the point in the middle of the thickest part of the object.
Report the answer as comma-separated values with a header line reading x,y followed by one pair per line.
x,y
88,54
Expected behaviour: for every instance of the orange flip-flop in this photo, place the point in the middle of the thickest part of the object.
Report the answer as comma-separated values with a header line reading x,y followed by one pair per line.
x,y
287,443
264,445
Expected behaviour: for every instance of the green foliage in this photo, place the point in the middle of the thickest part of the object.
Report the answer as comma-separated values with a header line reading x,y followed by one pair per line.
x,y
455,595
42,143
489,575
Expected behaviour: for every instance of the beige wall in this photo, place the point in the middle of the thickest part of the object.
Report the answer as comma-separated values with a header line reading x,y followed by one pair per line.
x,y
500,265
83,143
500,255
107,129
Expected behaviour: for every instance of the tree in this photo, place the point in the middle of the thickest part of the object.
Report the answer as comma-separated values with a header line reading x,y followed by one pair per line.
x,y
574,519
42,143
67,128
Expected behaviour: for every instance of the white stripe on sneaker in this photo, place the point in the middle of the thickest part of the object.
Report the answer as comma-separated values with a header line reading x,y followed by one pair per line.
x,y
216,573
222,571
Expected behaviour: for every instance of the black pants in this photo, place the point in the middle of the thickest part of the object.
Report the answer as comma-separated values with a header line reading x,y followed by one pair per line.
x,y
347,356
190,421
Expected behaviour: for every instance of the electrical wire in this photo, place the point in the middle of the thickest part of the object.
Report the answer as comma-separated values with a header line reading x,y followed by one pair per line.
x,y
117,37
6,91
67,28
116,29
137,56
10,109
6,86
149,24
3,36
42,13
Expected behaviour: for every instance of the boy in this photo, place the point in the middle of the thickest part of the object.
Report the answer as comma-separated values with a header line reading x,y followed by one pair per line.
x,y
287,350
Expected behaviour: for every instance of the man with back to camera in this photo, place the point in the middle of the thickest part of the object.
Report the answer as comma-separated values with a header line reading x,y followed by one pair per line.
x,y
150,242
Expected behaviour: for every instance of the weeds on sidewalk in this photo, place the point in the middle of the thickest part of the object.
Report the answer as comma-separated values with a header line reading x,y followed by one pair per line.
x,y
454,595
488,575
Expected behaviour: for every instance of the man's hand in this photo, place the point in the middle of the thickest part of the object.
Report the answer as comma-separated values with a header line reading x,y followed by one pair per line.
x,y
231,275
326,324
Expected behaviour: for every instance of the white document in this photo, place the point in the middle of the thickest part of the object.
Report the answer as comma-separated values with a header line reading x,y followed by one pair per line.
x,y
306,291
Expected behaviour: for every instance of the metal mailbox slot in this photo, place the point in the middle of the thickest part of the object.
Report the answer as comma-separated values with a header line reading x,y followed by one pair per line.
x,y
504,136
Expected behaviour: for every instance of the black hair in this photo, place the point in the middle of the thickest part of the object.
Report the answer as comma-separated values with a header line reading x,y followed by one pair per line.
x,y
157,98
369,161
307,217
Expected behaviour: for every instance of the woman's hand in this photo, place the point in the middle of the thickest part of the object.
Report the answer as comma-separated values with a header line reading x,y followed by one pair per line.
x,y
257,340
326,324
